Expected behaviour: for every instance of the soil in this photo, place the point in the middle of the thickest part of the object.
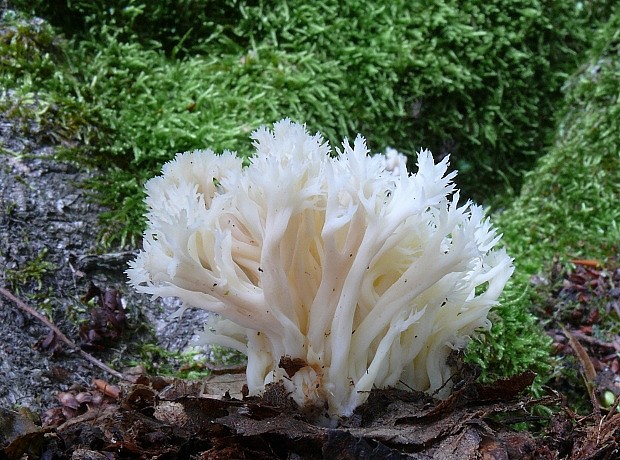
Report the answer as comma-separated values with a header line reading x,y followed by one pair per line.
x,y
49,257
55,404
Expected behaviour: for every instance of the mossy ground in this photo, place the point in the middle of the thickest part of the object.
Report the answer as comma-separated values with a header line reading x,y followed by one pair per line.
x,y
135,83
568,207
127,89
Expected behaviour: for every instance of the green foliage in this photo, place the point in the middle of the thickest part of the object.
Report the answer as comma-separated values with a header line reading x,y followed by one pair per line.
x,y
158,361
158,107
516,342
168,22
226,356
568,207
29,47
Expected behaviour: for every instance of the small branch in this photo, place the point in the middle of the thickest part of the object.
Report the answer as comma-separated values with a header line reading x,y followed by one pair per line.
x,y
589,373
593,340
31,311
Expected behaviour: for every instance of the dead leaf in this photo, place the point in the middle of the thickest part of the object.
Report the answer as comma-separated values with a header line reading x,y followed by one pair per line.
x,y
291,365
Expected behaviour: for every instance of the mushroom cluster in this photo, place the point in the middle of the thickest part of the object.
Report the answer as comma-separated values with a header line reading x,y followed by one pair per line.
x,y
334,273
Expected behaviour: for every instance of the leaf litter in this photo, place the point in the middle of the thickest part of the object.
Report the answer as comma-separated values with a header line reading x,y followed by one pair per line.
x,y
160,418
163,418
167,418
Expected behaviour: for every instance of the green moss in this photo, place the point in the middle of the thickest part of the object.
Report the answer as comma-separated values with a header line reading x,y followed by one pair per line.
x,y
30,48
31,275
480,80
189,364
40,94
516,342
226,356
168,22
568,207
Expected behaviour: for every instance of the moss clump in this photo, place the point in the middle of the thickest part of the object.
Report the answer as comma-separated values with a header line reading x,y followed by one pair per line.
x,y
29,47
170,23
480,80
31,275
569,204
39,92
568,207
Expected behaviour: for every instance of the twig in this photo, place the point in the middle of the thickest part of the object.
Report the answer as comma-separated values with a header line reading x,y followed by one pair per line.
x,y
31,311
589,373
593,340
586,262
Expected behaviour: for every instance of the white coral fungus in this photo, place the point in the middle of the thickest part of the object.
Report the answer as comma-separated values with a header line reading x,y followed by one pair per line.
x,y
357,273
